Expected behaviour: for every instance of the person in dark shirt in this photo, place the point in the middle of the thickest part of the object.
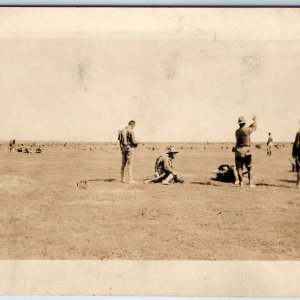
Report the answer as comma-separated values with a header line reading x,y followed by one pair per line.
x,y
243,155
296,156
127,142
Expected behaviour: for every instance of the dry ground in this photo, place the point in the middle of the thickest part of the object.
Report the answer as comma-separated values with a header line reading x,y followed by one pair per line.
x,y
43,215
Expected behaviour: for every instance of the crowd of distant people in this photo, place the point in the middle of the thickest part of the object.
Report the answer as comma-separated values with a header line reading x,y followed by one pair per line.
x,y
24,148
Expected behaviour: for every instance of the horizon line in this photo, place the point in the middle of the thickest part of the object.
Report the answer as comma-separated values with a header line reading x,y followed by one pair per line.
x,y
140,142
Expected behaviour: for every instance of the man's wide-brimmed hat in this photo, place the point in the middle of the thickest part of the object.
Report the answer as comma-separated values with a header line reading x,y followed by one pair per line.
x,y
241,120
171,149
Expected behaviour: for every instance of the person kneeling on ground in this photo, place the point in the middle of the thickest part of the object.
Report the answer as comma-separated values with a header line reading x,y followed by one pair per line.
x,y
164,169
226,173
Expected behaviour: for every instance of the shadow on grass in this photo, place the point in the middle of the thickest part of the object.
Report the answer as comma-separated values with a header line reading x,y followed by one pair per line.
x,y
83,184
288,180
228,184
210,183
274,185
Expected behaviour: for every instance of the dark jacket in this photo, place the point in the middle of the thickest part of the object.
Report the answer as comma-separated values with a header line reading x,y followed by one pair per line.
x,y
296,146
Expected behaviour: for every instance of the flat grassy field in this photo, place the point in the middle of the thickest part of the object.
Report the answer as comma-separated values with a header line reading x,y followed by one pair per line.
x,y
44,215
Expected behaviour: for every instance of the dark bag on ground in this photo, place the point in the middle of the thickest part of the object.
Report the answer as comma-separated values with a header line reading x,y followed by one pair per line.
x,y
225,174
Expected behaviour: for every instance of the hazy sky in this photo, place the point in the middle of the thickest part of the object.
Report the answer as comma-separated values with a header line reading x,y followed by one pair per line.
x,y
176,90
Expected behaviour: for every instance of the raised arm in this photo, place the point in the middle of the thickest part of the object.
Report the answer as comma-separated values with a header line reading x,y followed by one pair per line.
x,y
253,126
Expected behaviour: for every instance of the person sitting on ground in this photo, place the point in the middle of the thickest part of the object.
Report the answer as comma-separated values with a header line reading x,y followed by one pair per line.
x,y
227,173
296,156
269,145
164,169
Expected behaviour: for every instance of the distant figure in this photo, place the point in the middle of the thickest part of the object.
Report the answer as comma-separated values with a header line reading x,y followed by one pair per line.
x,y
164,171
227,173
12,145
269,145
243,155
38,150
127,142
296,156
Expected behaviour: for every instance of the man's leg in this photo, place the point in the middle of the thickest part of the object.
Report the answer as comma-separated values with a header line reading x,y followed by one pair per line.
x,y
239,167
235,175
248,162
240,176
297,167
123,165
130,163
250,177
168,180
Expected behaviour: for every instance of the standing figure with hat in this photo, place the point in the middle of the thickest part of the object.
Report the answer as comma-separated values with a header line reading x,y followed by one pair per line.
x,y
296,156
242,149
164,168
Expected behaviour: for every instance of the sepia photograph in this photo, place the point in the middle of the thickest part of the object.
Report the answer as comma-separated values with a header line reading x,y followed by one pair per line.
x,y
150,134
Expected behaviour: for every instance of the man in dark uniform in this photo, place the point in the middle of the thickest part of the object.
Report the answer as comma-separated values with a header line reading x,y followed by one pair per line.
x,y
296,156
243,155
127,144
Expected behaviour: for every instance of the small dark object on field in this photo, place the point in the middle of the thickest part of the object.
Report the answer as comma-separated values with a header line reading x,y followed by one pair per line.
x,y
82,184
27,150
258,146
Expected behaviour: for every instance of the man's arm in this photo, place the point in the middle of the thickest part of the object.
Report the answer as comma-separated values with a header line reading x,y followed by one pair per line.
x,y
124,137
133,138
168,168
253,126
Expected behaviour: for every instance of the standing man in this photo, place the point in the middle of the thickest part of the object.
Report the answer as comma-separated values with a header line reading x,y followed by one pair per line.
x,y
296,156
243,155
269,144
127,144
12,145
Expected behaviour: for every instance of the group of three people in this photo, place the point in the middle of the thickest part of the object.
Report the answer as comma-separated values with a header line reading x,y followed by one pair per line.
x,y
165,172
